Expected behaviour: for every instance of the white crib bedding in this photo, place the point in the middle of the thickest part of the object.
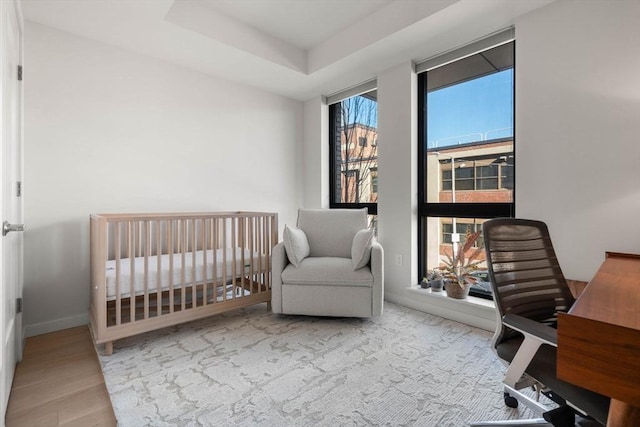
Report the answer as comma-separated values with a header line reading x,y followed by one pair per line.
x,y
222,271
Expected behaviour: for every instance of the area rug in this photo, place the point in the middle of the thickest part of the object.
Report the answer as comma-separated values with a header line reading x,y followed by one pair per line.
x,y
250,367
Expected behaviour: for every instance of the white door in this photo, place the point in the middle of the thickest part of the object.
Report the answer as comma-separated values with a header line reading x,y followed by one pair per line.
x,y
10,182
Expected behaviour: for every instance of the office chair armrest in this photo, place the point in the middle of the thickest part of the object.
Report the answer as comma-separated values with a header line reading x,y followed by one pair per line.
x,y
535,335
531,328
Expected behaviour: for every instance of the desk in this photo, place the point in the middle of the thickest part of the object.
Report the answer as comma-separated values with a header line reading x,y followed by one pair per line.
x,y
599,339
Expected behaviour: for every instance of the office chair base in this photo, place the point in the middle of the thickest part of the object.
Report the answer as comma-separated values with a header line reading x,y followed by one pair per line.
x,y
534,405
562,416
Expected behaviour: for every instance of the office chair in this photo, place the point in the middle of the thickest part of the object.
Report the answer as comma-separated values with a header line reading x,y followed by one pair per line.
x,y
529,290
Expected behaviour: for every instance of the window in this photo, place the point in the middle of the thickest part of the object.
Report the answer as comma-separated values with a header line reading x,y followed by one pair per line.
x,y
466,152
354,166
492,173
373,173
350,185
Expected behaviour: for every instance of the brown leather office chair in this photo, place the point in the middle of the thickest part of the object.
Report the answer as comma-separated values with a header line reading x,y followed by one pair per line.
x,y
529,290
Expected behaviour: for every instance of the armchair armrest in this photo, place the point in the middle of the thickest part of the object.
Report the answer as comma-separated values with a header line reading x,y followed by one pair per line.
x,y
377,270
529,327
279,261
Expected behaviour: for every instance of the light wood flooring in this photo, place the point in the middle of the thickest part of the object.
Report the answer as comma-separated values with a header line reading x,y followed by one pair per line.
x,y
59,383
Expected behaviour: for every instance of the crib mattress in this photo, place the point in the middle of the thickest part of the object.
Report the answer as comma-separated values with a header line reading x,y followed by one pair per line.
x,y
161,277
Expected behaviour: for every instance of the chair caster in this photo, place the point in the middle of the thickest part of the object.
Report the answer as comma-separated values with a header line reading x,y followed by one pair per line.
x,y
510,401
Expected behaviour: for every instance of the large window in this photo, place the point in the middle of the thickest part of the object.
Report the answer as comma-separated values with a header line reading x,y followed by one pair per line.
x,y
466,152
354,152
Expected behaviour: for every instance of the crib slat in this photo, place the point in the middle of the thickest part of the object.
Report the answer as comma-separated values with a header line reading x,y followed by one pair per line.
x,y
243,260
194,248
252,249
132,274
234,239
203,237
146,245
224,260
183,272
170,251
214,246
261,250
158,236
118,244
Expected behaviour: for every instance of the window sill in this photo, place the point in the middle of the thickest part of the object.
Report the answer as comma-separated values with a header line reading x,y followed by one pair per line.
x,y
470,300
478,312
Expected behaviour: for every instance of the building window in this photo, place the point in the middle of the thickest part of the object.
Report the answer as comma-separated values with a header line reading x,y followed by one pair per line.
x,y
373,173
350,186
466,152
354,166
478,173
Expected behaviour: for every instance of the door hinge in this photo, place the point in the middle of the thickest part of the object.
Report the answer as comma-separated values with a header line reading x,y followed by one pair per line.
x,y
20,72
19,305
19,189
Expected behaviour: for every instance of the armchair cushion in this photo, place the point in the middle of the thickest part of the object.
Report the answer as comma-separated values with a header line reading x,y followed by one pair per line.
x,y
331,231
327,271
361,248
295,244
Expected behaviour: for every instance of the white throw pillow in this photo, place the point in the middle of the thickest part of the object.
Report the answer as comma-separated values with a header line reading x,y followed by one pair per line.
x,y
295,244
361,248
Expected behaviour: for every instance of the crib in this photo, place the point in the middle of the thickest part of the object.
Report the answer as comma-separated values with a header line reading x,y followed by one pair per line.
x,y
150,271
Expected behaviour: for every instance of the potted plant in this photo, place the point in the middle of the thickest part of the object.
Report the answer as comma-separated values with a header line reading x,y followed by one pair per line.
x,y
433,280
458,267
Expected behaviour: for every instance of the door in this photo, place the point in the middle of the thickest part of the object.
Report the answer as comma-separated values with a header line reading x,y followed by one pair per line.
x,y
10,182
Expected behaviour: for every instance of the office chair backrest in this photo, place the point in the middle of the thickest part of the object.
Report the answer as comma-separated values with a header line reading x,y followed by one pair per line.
x,y
525,275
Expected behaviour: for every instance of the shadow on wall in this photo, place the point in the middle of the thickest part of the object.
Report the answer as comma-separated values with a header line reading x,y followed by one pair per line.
x,y
56,273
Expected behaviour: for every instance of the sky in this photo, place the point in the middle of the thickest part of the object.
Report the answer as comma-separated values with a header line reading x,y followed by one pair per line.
x,y
475,110
472,111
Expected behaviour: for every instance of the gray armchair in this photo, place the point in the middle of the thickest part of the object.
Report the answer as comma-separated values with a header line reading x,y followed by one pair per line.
x,y
328,266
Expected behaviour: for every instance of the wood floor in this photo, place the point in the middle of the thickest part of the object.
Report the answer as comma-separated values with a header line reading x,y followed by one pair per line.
x,y
60,383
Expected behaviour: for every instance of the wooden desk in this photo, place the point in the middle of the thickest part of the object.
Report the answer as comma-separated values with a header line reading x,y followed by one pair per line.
x,y
599,339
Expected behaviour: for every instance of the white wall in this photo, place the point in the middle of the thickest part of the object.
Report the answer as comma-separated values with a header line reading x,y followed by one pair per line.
x,y
111,131
316,153
397,175
578,128
578,145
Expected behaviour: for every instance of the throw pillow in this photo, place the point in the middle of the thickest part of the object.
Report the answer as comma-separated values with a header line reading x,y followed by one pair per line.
x,y
295,244
361,248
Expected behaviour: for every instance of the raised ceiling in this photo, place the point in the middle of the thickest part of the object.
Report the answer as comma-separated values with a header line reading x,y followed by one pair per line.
x,y
296,48
302,23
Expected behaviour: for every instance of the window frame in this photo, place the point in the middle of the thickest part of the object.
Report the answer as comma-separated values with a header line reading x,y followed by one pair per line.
x,y
453,210
334,132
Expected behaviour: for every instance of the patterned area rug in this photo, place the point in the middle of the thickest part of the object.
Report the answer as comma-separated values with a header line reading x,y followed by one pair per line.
x,y
251,367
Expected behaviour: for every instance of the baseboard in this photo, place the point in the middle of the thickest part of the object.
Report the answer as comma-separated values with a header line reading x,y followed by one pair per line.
x,y
471,311
57,325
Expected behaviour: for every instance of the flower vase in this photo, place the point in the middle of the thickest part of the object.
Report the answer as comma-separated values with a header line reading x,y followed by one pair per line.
x,y
457,290
436,285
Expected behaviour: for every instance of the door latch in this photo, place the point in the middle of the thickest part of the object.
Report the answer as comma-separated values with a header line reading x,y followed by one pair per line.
x,y
6,227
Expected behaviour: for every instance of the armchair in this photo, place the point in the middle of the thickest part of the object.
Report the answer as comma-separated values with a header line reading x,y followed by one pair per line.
x,y
328,266
530,290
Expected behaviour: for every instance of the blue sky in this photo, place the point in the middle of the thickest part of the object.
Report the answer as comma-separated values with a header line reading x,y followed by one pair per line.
x,y
471,109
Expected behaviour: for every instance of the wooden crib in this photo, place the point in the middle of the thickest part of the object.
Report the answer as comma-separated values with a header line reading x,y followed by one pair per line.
x,y
150,271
